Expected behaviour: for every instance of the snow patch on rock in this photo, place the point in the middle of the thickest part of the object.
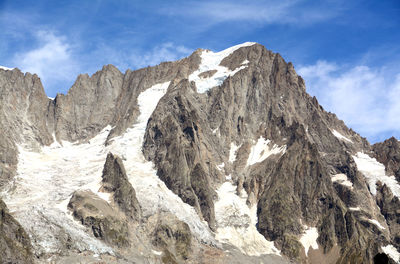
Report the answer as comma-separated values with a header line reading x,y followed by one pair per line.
x,y
375,222
221,166
232,152
309,238
392,252
374,171
342,179
211,61
236,223
261,151
340,136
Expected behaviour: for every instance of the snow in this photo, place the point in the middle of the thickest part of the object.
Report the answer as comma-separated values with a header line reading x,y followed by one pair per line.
x,y
211,61
43,185
221,166
392,252
375,222
374,171
232,152
155,252
340,136
342,179
260,151
152,193
6,68
354,208
46,179
236,223
309,238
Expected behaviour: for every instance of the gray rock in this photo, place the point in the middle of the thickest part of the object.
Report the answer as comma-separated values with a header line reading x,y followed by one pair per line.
x,y
104,222
116,181
388,153
15,245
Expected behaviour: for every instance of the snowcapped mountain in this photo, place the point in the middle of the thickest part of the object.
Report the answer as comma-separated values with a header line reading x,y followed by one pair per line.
x,y
220,157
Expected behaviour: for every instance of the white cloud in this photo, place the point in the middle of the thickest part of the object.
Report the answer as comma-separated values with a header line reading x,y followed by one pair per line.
x,y
51,60
366,98
298,12
161,53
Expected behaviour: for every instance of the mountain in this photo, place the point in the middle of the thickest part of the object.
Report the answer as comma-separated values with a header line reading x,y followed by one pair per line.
x,y
220,157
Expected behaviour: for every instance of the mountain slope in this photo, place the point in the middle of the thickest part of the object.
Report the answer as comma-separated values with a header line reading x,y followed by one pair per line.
x,y
227,148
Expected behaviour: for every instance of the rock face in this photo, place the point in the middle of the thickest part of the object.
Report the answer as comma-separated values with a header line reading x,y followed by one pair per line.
x,y
116,181
15,246
173,237
99,217
304,185
388,153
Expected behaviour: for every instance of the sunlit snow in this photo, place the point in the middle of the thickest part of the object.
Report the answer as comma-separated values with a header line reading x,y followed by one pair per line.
x,y
375,222
374,172
236,223
309,238
392,252
232,152
260,151
46,180
340,136
211,61
342,179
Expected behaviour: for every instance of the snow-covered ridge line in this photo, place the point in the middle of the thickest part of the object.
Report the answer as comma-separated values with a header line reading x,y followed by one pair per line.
x,y
210,61
374,171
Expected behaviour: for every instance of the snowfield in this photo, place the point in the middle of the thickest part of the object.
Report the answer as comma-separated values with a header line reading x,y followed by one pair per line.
x,y
236,223
210,62
374,172
45,181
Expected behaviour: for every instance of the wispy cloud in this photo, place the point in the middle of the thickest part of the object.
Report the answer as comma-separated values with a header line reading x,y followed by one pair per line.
x,y
135,57
52,59
366,98
297,12
164,52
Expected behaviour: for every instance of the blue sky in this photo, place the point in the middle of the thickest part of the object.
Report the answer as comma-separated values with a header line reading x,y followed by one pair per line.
x,y
347,51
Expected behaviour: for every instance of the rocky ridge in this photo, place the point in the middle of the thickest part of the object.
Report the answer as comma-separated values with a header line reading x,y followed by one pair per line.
x,y
240,119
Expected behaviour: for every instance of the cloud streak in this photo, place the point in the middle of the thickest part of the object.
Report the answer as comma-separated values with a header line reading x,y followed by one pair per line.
x,y
366,98
295,12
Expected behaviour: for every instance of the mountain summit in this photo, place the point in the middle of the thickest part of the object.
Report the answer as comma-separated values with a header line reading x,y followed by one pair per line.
x,y
220,157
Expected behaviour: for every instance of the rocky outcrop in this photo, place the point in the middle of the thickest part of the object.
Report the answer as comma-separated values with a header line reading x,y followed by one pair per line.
x,y
23,111
390,209
102,220
388,153
173,237
15,245
116,182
